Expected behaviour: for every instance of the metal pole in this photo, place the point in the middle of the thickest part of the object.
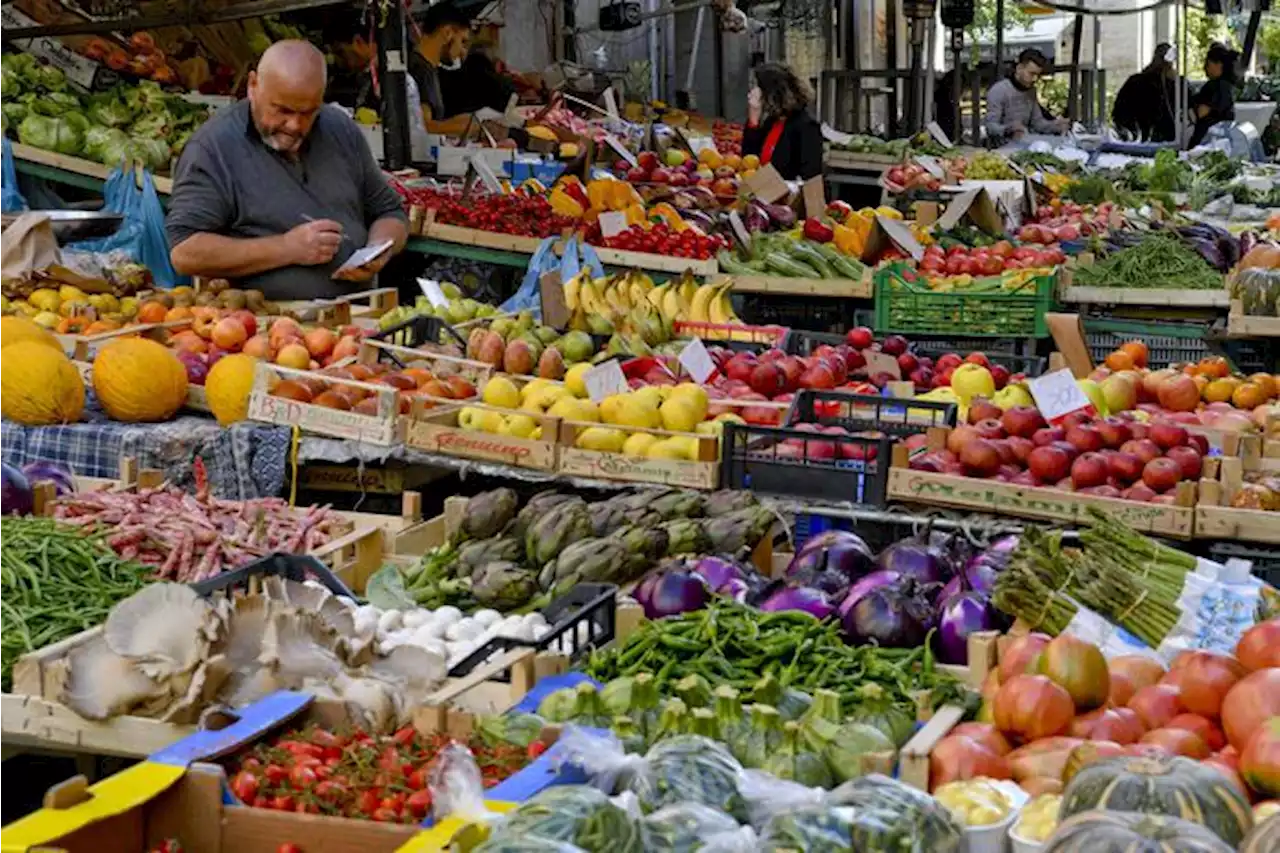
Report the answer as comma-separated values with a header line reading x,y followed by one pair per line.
x,y
395,99
999,55
652,37
930,47
1097,69
1077,35
1250,37
1180,32
957,52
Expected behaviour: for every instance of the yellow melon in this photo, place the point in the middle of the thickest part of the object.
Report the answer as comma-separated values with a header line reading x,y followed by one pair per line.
x,y
227,388
137,379
15,330
39,386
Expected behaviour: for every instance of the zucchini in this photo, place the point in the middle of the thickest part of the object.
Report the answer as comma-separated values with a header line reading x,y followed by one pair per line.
x,y
805,253
728,263
788,267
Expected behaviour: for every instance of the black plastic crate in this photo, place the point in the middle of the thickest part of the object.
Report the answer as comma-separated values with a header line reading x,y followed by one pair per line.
x,y
798,463
419,330
292,567
582,619
899,418
1266,561
803,343
1028,365
820,313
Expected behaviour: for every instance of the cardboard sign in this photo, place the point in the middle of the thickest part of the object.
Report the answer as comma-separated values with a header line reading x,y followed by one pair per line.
x,y
886,231
976,205
1057,395
698,144
1068,338
933,166
766,184
695,359
621,150
613,222
813,193
739,229
78,69
939,135
881,362
431,289
555,312
605,380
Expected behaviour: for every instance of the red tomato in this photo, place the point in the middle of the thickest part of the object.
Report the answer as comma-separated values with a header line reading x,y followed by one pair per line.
x,y
288,847
419,803
992,265
1003,248
282,803
385,816
956,264
275,774
245,786
302,777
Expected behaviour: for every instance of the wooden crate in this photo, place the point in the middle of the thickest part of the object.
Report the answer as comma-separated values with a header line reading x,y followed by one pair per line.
x,y
438,431
455,707
659,263
1222,479
79,165
476,237
1242,325
383,428
82,348
999,498
475,372
33,722
836,288
837,159
913,759
702,473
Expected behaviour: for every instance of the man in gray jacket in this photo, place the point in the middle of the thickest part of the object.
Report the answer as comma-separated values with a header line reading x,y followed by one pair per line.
x,y
1012,108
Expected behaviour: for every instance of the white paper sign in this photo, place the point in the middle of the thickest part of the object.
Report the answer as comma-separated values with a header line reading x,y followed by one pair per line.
x,y
932,166
698,144
613,222
605,380
621,150
936,131
487,177
611,103
695,359
431,289
1057,395
739,229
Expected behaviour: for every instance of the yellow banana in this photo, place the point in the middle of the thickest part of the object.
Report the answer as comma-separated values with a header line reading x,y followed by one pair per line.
x,y
592,301
688,289
698,311
721,307
572,291
658,294
672,309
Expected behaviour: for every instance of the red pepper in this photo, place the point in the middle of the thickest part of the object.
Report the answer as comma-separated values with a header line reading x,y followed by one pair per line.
x,y
838,210
818,231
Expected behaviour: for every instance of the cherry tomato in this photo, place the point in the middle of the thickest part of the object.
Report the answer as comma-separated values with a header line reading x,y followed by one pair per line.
x,y
405,736
419,803
417,780
244,785
275,774
288,847
367,802
283,803
385,816
302,777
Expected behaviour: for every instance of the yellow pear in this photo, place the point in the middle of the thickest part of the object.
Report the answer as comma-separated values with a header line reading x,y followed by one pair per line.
x,y
651,395
573,379
520,426
696,394
532,406
603,439
688,444
573,409
609,408
679,415
667,448
634,412
501,392
549,394
638,444
490,421
531,388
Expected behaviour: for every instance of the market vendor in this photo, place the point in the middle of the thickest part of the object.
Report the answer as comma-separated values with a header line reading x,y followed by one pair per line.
x,y
1012,106
278,190
779,129
1215,101
1144,104
446,34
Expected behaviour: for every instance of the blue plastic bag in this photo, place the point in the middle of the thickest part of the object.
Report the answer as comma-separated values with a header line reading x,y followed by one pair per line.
x,y
529,297
142,234
11,200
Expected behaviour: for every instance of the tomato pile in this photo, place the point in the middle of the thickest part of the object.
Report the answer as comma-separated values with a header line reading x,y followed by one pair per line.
x,y
661,239
988,260
519,214
359,775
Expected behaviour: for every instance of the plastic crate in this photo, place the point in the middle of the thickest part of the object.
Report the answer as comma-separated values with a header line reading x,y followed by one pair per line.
x,y
912,308
582,619
819,313
723,333
795,463
1171,343
1266,561
1028,365
803,343
899,418
419,330
292,567
809,525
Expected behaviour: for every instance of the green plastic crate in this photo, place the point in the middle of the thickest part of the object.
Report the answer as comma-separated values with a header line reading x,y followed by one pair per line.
x,y
906,307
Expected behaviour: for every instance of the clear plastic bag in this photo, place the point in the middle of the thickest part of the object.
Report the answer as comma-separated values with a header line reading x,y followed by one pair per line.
x,y
527,844
573,814
457,789
686,828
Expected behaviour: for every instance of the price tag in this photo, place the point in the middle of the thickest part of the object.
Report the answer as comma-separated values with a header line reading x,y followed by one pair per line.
x,y
932,166
610,103
431,289
621,150
1057,395
613,222
605,380
487,177
739,229
555,312
940,135
695,359
697,144
881,362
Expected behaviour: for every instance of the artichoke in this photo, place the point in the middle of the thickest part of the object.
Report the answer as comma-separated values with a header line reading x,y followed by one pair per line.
x,y
487,514
739,530
503,585
538,506
594,560
685,536
473,555
556,530
677,504
726,501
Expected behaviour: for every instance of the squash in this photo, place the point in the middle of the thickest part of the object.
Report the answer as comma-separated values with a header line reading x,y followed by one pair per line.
x,y
139,380
1127,832
227,387
1265,837
1263,256
15,330
39,386
1174,787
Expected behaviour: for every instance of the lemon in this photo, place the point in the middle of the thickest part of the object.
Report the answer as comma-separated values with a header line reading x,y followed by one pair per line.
x,y
573,379
501,392
679,415
519,426
667,448
638,444
603,439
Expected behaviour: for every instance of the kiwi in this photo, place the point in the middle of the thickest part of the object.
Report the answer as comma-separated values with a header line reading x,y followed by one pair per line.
x,y
185,300
234,299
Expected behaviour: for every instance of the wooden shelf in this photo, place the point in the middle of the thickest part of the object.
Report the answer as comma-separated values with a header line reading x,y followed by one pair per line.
x,y
835,288
1145,296
78,166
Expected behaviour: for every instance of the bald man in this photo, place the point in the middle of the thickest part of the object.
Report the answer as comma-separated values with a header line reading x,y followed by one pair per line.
x,y
277,191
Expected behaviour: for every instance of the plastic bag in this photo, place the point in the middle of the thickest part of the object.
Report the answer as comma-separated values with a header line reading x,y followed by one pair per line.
x,y
529,296
11,200
574,814
457,789
141,235
686,828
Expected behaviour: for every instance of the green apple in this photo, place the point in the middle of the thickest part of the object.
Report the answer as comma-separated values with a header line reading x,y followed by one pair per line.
x,y
675,157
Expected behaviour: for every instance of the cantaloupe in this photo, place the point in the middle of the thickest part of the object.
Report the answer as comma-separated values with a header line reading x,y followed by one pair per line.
x,y
15,330
227,388
139,380
39,386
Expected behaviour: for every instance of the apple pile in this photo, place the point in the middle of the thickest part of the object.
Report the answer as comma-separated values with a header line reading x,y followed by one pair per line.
x,y
727,136
1113,457
924,371
988,260
1068,221
718,173
413,382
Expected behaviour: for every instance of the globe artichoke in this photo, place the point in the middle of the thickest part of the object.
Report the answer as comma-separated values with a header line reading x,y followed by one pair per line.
x,y
503,585
487,514
473,555
538,506
560,527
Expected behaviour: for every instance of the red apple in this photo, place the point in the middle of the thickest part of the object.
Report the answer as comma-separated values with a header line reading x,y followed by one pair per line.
x,y
1049,464
921,377
989,428
978,358
1199,442
1162,474
792,368
1114,431
907,362
860,337
1143,448
1048,435
1025,478
1088,469
1124,467
999,375
1138,492
1067,447
982,409
768,378
637,175
1167,435
740,368
1188,459
1020,446
818,376
981,458
647,160
894,345
1085,438
1024,421
948,361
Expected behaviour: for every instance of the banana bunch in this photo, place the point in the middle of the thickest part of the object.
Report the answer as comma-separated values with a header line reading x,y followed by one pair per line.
x,y
687,300
610,295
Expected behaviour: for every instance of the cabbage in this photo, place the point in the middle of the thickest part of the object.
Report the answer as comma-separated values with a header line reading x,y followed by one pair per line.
x,y
147,96
154,125
617,695
108,145
152,153
54,104
516,728
14,111
78,122
852,742
109,110
51,134
557,706
50,78
10,83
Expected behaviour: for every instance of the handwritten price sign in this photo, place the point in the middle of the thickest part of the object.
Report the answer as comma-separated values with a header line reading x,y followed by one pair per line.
x,y
1057,395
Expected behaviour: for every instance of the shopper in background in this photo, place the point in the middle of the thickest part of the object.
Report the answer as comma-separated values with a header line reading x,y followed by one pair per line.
x,y
1216,99
1145,103
446,32
1012,107
779,129
480,81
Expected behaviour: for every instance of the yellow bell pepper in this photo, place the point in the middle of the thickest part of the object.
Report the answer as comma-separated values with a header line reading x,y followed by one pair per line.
x,y
635,214
889,212
533,186
622,195
565,204
599,193
664,212
847,240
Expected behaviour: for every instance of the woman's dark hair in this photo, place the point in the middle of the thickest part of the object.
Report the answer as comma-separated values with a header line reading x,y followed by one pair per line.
x,y
1220,53
781,91
1158,63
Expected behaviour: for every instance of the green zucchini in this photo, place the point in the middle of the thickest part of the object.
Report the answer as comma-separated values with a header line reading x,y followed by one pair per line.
x,y
805,253
789,267
728,263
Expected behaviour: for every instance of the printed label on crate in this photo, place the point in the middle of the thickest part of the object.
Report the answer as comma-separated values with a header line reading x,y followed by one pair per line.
x,y
480,445
695,359
1057,395
264,407
615,466
605,380
1033,502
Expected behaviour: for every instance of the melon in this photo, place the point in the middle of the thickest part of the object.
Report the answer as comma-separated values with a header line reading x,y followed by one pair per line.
x,y
138,380
15,330
39,386
1124,832
227,388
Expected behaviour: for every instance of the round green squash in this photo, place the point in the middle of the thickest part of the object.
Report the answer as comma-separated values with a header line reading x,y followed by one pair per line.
x,y
1174,787
1265,837
1132,832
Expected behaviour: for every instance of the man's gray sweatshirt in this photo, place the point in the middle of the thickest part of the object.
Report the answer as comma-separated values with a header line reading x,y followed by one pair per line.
x,y
1008,105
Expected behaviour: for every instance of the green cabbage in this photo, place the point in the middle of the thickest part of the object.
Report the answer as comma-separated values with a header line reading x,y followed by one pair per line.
x,y
795,762
557,706
50,78
152,153
617,695
54,104
107,109
848,750
10,83
108,145
14,111
154,125
51,134
147,96
516,728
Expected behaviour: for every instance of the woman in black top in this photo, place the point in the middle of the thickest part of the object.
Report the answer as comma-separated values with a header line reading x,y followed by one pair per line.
x,y
1145,103
1216,100
779,128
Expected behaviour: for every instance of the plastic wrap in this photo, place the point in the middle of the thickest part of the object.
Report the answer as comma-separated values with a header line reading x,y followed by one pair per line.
x,y
573,814
457,789
686,828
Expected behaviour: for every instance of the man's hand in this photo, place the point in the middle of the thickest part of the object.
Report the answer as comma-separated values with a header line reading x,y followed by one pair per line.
x,y
364,272
1016,130
313,243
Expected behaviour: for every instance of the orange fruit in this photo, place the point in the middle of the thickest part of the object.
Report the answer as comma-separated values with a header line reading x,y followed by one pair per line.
x,y
1137,351
1220,390
1215,367
180,312
1120,360
151,312
1248,396
1266,382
